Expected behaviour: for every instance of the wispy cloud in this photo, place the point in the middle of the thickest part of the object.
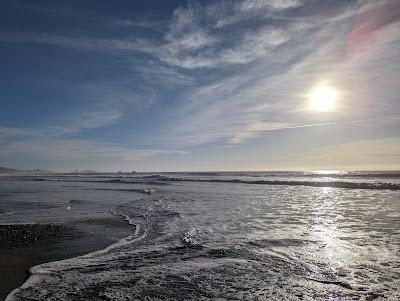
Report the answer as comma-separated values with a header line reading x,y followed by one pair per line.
x,y
272,93
249,9
151,24
192,39
90,120
364,154
85,121
238,69
13,132
160,74
73,149
108,45
53,142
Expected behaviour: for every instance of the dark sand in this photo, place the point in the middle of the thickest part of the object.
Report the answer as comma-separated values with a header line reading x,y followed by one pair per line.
x,y
21,247
28,245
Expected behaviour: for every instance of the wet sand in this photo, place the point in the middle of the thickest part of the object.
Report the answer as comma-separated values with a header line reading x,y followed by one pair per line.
x,y
28,245
24,246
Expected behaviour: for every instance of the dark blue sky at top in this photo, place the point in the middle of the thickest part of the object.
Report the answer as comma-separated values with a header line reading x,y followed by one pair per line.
x,y
43,79
198,85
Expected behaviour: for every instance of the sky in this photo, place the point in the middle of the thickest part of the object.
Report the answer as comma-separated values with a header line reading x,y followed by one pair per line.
x,y
199,85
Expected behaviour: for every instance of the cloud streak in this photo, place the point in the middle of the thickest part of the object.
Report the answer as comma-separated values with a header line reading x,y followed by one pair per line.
x,y
73,149
364,154
272,93
225,73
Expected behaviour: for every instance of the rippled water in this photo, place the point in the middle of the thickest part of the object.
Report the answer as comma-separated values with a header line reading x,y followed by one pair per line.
x,y
213,236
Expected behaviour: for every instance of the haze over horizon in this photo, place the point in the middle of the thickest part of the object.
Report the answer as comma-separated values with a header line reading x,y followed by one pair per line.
x,y
200,85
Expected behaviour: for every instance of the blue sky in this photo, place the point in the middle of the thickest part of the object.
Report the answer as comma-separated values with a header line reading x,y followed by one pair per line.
x,y
199,85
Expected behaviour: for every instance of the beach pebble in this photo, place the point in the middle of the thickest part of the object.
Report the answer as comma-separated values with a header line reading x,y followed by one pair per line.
x,y
342,272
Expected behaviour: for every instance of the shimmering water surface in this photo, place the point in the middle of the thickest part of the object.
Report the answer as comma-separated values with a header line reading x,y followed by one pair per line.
x,y
218,236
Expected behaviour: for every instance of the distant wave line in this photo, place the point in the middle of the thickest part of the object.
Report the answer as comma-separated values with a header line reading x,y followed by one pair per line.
x,y
159,179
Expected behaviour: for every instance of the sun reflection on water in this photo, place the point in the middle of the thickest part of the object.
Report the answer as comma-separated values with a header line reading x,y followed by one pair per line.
x,y
326,230
327,172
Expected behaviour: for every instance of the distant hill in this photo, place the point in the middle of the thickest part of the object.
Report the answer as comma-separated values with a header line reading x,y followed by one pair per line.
x,y
7,170
87,171
13,170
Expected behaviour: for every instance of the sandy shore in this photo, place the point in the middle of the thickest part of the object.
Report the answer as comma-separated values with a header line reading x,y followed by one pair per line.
x,y
21,247
28,245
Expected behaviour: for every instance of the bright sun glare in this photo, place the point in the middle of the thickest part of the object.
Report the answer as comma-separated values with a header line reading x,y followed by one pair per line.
x,y
323,98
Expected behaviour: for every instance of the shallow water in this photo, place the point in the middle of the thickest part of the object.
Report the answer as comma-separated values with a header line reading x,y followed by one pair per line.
x,y
207,236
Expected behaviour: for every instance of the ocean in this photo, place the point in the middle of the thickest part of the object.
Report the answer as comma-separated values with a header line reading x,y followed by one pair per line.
x,y
216,236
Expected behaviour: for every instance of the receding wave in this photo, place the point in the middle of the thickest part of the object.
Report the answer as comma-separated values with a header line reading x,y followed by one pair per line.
x,y
156,181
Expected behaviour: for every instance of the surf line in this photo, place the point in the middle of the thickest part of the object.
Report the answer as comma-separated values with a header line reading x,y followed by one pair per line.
x,y
41,270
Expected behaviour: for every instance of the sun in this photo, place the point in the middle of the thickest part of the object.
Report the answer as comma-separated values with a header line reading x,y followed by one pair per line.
x,y
323,98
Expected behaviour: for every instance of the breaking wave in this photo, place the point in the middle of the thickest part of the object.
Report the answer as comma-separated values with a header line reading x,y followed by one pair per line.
x,y
373,180
333,184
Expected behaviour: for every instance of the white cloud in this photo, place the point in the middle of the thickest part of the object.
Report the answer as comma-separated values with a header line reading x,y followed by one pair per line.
x,y
191,41
275,5
239,11
271,94
156,73
244,79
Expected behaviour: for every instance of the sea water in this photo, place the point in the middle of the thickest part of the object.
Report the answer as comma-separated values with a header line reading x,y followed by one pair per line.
x,y
218,236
